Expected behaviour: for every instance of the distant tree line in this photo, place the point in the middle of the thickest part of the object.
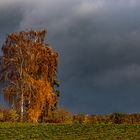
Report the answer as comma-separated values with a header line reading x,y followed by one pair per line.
x,y
63,116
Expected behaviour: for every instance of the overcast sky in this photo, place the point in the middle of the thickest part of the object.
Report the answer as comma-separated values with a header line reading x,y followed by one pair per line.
x,y
98,42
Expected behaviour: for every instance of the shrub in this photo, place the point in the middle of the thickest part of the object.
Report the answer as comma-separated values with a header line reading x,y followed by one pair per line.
x,y
7,115
116,118
60,115
80,118
13,115
1,116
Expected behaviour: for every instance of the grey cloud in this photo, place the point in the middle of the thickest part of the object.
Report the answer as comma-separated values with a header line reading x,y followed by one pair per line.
x,y
130,75
10,18
98,43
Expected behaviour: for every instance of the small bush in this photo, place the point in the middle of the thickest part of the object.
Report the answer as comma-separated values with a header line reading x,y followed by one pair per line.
x,y
13,115
116,118
80,118
1,116
61,115
8,115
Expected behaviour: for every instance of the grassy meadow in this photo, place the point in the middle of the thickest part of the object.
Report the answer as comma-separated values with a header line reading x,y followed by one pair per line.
x,y
44,131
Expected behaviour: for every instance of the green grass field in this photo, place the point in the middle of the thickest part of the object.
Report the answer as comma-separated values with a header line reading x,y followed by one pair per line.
x,y
26,131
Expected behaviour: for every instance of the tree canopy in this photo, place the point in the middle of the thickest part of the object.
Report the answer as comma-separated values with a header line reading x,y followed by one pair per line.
x,y
28,68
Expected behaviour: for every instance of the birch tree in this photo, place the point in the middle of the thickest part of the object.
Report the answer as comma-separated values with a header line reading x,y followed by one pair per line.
x,y
28,67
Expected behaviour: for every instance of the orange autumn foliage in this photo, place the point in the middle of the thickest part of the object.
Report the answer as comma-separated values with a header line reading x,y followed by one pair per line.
x,y
41,100
28,67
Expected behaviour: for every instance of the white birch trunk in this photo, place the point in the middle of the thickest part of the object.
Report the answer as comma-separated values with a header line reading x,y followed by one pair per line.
x,y
22,109
21,87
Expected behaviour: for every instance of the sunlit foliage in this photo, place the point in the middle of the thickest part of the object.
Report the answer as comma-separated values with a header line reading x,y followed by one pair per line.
x,y
28,68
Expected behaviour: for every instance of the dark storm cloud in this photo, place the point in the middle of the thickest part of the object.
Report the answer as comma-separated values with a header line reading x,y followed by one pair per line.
x,y
10,17
99,44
